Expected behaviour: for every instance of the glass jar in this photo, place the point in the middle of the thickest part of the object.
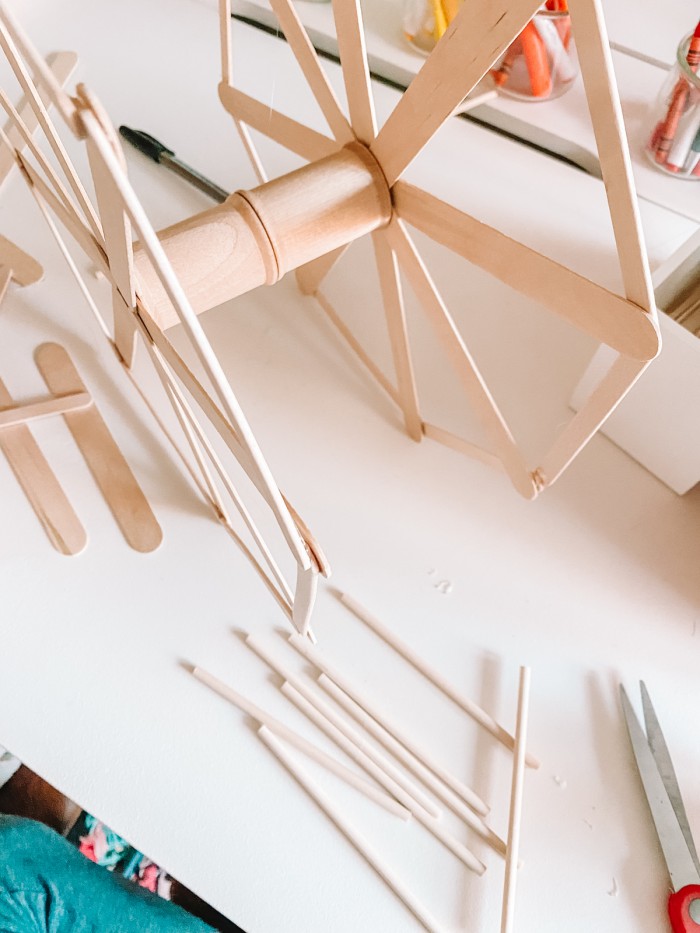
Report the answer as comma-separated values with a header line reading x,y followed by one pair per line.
x,y
674,144
541,63
424,21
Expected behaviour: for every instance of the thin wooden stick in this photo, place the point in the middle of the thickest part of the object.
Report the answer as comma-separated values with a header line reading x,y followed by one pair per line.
x,y
5,279
390,284
47,126
251,151
472,709
62,64
604,399
464,447
32,411
308,61
619,323
311,274
295,687
462,362
373,710
308,748
403,892
353,60
474,40
516,803
441,791
289,133
225,39
25,270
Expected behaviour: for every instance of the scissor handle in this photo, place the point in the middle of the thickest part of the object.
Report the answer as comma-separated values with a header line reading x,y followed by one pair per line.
x,y
679,909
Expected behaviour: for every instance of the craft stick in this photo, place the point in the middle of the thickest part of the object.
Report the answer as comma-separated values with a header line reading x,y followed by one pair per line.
x,y
25,270
193,328
289,133
516,804
595,60
464,447
470,103
225,39
308,748
62,64
372,709
47,126
32,411
608,318
392,296
353,61
45,73
472,709
441,791
474,40
40,485
312,545
308,61
5,279
311,274
251,151
305,597
403,892
324,714
485,408
112,473
604,399
355,346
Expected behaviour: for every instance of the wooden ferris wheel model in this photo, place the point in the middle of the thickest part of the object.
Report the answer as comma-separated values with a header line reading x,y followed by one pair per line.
x,y
304,220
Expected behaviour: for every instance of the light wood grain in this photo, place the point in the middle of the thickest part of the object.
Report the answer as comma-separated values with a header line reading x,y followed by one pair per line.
x,y
401,890
107,464
497,431
40,485
474,40
619,323
353,60
25,269
33,411
5,279
225,41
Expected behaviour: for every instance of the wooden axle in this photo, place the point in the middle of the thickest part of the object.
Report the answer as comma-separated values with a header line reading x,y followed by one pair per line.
x,y
257,236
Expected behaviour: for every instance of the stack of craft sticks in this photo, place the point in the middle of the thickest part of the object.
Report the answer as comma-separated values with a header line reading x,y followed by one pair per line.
x,y
404,777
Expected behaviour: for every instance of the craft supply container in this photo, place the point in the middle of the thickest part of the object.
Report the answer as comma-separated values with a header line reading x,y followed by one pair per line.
x,y
673,145
424,21
541,63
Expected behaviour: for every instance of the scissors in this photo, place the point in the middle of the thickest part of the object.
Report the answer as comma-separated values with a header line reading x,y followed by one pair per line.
x,y
667,811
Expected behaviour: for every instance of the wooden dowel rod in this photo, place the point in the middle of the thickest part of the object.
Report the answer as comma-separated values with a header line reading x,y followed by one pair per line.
x,y
359,842
469,707
410,796
441,791
298,741
372,709
516,804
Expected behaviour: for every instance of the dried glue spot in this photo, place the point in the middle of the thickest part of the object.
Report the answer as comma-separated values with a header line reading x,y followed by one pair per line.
x,y
559,781
444,587
614,889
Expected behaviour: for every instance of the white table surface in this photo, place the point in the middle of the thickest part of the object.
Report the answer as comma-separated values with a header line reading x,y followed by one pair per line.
x,y
594,583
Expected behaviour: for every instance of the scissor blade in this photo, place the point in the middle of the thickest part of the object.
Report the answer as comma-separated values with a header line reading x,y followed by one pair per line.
x,y
681,867
660,751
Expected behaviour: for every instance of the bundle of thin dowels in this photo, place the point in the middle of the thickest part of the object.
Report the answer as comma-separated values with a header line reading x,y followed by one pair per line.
x,y
400,781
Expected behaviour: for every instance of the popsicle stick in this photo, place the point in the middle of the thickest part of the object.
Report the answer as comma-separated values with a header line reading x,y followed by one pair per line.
x,y
353,60
411,796
472,709
305,597
595,60
356,347
516,804
372,709
107,464
390,284
305,142
5,279
194,331
40,485
225,40
62,65
32,411
604,399
308,748
474,40
311,274
458,443
441,791
308,60
403,892
461,360
44,121
25,270
619,323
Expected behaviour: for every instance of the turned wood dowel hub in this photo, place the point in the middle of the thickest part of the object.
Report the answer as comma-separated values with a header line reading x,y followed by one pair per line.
x,y
257,236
